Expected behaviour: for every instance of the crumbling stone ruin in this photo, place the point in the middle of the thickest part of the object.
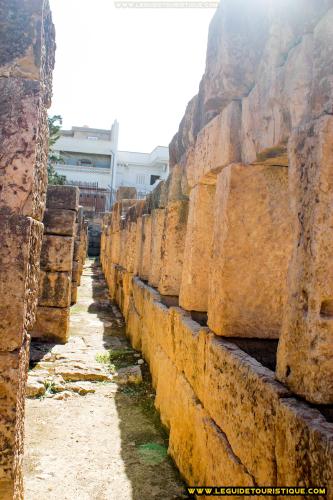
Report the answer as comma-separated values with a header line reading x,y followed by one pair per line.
x,y
62,256
232,256
26,63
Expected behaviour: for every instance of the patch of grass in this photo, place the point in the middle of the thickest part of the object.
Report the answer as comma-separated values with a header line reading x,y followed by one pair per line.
x,y
152,453
119,358
104,359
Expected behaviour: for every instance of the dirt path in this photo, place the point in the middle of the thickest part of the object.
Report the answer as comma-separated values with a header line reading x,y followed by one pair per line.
x,y
89,436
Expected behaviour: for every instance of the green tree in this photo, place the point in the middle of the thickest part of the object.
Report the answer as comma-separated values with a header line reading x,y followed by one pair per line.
x,y
55,123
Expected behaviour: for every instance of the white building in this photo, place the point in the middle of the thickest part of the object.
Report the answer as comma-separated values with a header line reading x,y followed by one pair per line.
x,y
90,157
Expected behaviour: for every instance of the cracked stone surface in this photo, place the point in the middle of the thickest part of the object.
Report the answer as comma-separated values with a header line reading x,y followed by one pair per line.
x,y
89,424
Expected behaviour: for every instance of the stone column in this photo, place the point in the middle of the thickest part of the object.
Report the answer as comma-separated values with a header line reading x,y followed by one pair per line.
x,y
52,322
305,353
26,63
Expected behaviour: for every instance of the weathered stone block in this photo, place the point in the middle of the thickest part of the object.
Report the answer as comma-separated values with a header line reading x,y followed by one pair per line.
x,y
74,287
52,323
198,247
157,228
146,247
63,197
59,221
24,147
189,341
131,246
217,145
173,244
134,325
13,376
57,253
138,246
242,397
304,446
196,442
305,353
76,271
55,289
251,247
19,255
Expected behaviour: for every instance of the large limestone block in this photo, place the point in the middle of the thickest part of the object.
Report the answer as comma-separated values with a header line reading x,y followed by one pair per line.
x,y
173,244
52,324
198,248
27,41
115,247
134,326
130,249
59,221
55,289
251,252
242,397
199,448
138,246
161,328
63,197
217,145
76,272
74,289
146,247
24,148
305,353
157,228
19,256
189,343
57,253
13,376
304,447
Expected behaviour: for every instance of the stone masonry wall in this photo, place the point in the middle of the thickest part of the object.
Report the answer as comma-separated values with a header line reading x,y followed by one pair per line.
x,y
224,273
63,250
26,63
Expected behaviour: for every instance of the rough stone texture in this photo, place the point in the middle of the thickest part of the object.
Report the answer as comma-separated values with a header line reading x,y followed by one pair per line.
x,y
251,246
173,243
64,197
57,253
145,263
305,354
55,289
23,134
265,100
217,145
59,221
19,256
304,446
197,254
13,375
157,228
218,401
26,63
52,323
242,397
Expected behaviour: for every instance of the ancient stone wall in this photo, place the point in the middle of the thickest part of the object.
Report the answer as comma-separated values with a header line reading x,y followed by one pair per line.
x,y
62,256
230,257
26,63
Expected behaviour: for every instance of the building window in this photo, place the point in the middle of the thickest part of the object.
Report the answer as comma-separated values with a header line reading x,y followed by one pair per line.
x,y
85,162
92,138
140,179
153,179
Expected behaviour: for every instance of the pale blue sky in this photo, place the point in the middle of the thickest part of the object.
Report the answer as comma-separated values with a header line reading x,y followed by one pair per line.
x,y
140,66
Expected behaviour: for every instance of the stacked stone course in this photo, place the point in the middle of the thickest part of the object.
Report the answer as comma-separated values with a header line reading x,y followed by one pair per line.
x,y
231,257
26,63
61,263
